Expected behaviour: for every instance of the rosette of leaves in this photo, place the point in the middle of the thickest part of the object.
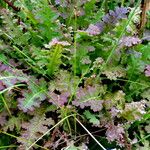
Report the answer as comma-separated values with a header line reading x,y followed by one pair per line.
x,y
64,82
33,96
33,129
34,24
89,96
130,111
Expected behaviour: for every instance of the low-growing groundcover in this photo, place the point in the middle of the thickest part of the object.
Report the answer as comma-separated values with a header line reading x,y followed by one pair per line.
x,y
74,75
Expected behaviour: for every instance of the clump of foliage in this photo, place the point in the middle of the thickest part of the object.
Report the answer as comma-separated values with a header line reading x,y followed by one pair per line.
x,y
72,74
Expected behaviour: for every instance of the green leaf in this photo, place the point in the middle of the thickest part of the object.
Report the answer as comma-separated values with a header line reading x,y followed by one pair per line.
x,y
33,97
13,122
54,60
92,117
146,94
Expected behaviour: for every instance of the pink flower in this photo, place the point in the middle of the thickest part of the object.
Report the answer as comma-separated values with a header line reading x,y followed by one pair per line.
x,y
147,71
55,41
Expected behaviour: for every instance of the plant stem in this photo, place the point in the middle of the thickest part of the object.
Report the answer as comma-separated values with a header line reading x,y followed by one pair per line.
x,y
6,105
122,3
75,43
91,135
9,146
11,135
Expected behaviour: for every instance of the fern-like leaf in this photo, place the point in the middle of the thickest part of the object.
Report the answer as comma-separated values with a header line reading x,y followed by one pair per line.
x,y
92,118
54,60
33,96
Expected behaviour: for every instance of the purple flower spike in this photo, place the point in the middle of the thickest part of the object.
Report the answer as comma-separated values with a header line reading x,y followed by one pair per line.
x,y
121,12
100,25
129,41
113,16
110,19
93,30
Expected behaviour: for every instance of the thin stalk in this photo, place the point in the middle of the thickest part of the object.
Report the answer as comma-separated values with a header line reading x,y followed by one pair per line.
x,y
11,87
69,125
103,4
128,81
106,6
9,146
122,3
6,105
144,138
75,88
75,125
11,77
75,43
71,15
65,112
11,135
91,135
